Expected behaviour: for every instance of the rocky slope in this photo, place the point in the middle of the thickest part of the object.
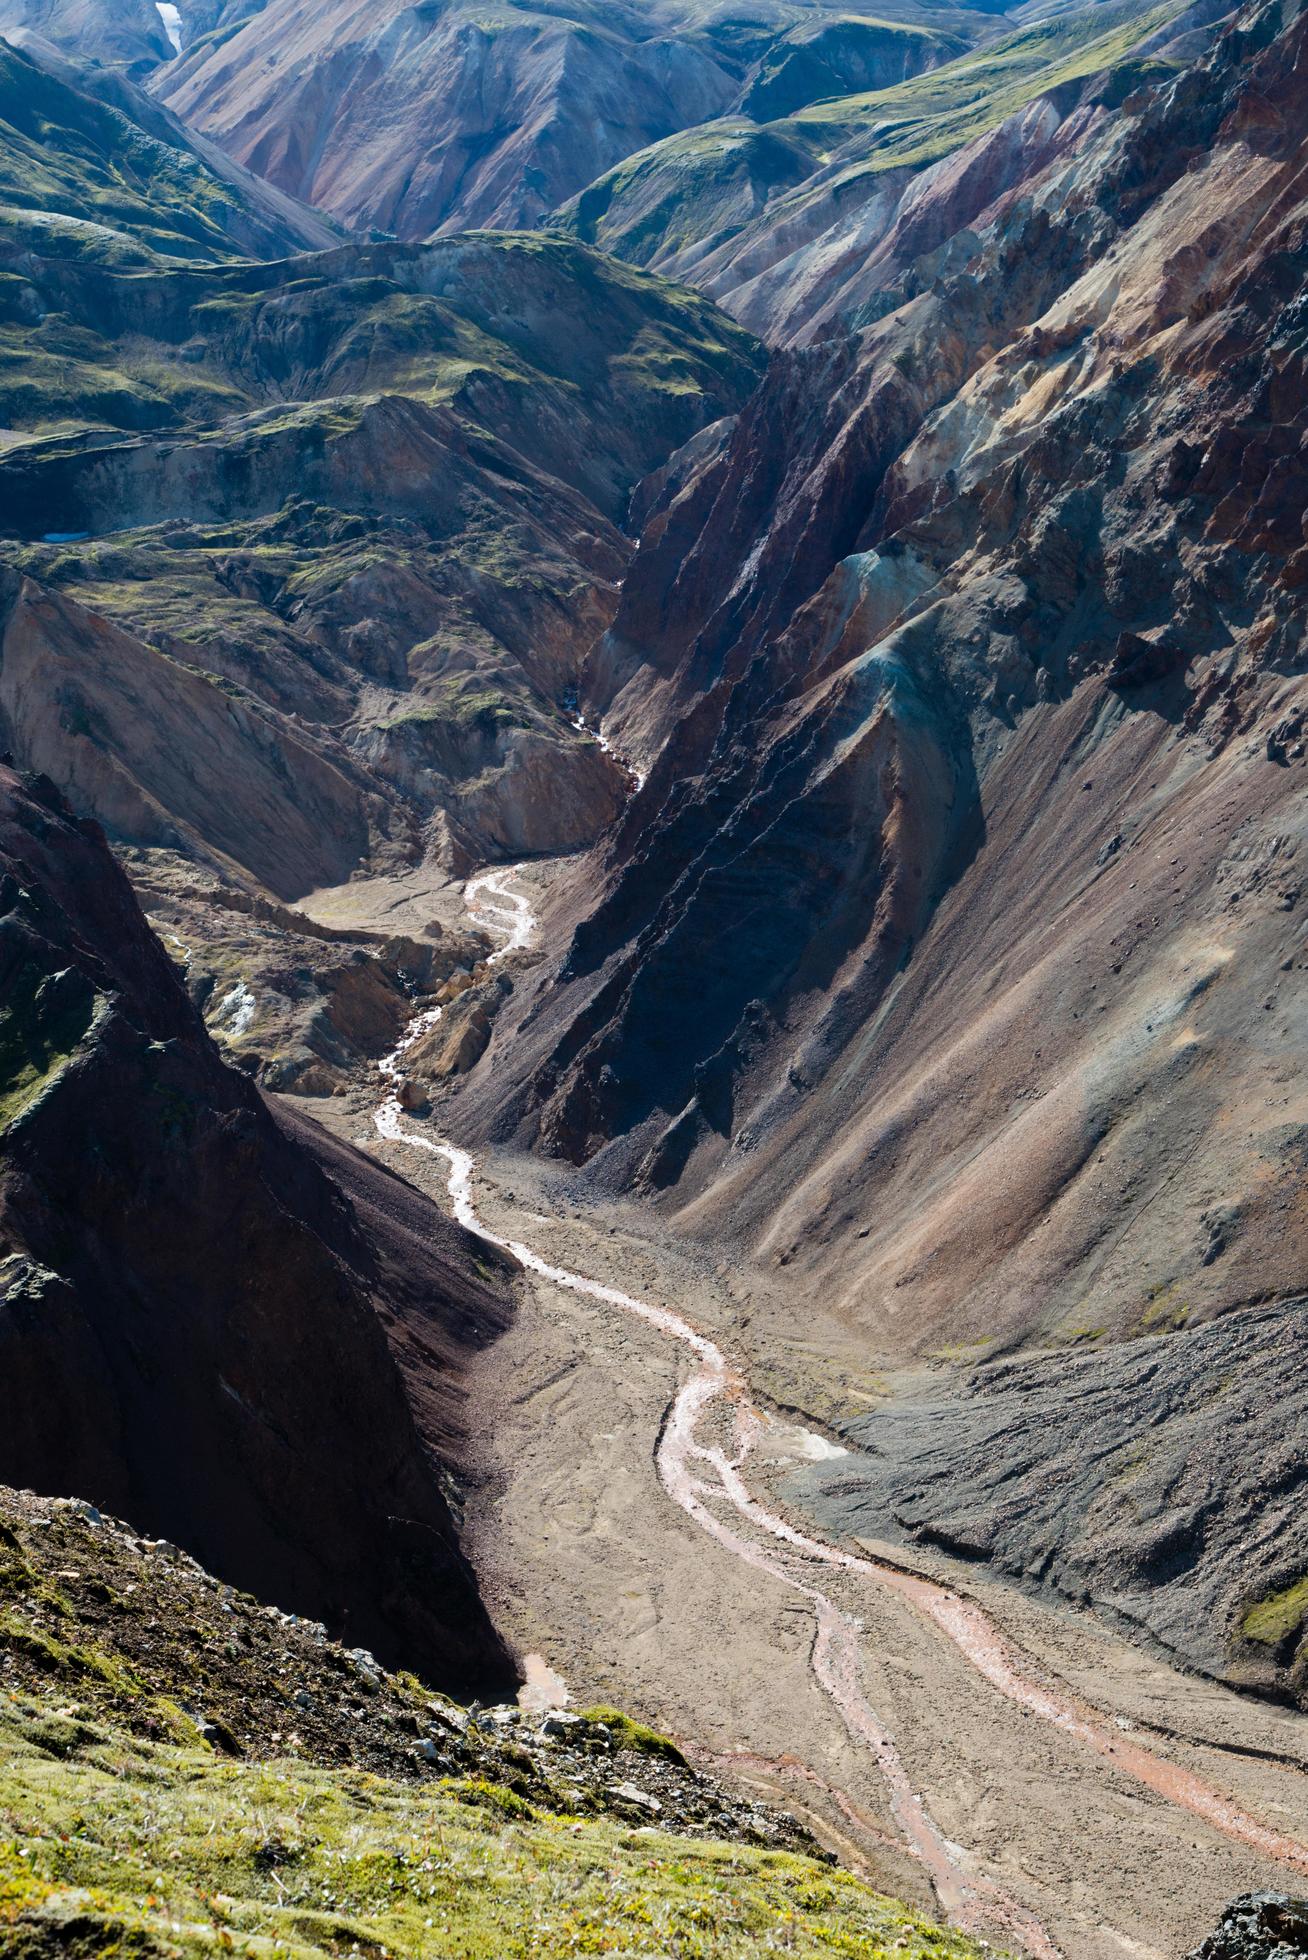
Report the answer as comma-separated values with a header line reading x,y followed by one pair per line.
x,y
90,166
425,119
306,1007
1159,1478
950,956
185,1770
248,1338
356,517
124,34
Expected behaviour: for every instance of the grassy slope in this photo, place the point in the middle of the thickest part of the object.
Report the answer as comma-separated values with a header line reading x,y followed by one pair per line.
x,y
80,346
935,113
68,162
185,1772
163,1849
675,194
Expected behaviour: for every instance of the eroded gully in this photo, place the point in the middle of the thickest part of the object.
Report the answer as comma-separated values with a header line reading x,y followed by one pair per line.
x,y
695,1470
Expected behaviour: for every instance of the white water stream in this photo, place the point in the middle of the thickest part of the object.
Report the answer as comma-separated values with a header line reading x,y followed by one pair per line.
x,y
583,727
694,1474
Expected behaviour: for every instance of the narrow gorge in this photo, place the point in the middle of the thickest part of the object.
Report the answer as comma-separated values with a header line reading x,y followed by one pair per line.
x,y
651,697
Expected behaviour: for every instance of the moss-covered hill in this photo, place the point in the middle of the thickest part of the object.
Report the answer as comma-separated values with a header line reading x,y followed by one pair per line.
x,y
119,180
361,486
724,204
185,1772
592,371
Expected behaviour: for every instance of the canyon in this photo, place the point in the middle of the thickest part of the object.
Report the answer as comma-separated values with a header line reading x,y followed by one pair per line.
x,y
651,675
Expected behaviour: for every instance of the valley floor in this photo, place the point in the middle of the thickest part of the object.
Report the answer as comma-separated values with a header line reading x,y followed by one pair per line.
x,y
586,1562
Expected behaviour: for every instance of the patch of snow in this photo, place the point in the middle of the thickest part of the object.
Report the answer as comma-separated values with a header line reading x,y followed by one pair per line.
x,y
172,19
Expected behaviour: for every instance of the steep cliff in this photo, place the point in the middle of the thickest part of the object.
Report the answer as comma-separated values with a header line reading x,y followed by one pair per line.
x,y
248,1338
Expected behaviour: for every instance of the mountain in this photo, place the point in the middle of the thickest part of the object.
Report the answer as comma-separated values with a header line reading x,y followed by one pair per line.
x,y
246,1336
91,166
125,34
418,119
801,223
946,962
355,516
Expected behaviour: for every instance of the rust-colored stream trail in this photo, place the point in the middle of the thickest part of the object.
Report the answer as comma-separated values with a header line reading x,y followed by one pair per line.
x,y
695,1474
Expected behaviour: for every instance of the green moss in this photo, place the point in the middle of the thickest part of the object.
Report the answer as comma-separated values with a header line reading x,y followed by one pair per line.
x,y
43,1020
84,182
149,1843
74,1663
1164,1310
629,1734
1274,1620
688,188
475,1790
462,701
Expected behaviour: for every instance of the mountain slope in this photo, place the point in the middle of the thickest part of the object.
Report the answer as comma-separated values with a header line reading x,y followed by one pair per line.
x,y
798,225
223,1778
357,516
949,956
89,167
421,119
196,1302
127,34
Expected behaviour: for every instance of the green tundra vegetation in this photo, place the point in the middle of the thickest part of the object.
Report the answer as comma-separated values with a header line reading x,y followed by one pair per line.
x,y
687,189
116,1844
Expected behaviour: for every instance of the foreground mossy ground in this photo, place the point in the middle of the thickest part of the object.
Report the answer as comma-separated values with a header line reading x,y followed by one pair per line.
x,y
184,1771
112,1845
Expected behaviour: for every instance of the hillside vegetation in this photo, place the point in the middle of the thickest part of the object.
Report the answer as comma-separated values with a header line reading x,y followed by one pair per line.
x,y
138,1822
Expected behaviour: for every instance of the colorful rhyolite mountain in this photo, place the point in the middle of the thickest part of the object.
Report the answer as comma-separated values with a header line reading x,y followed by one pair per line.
x,y
950,958
426,119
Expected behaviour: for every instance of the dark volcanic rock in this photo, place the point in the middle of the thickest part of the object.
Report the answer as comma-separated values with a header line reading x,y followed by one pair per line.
x,y
876,651
1261,1926
955,602
197,1299
1162,1479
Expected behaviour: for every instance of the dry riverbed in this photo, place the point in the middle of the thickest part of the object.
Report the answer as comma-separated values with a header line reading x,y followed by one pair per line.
x,y
587,1563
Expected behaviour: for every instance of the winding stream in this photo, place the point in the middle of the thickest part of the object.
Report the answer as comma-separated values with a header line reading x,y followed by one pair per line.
x,y
695,1474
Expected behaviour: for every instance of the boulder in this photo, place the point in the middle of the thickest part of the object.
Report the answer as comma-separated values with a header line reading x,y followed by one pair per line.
x,y
1258,1926
1138,661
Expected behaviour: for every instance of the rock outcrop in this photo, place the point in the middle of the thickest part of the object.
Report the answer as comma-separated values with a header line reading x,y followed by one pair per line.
x,y
249,1338
1260,1926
